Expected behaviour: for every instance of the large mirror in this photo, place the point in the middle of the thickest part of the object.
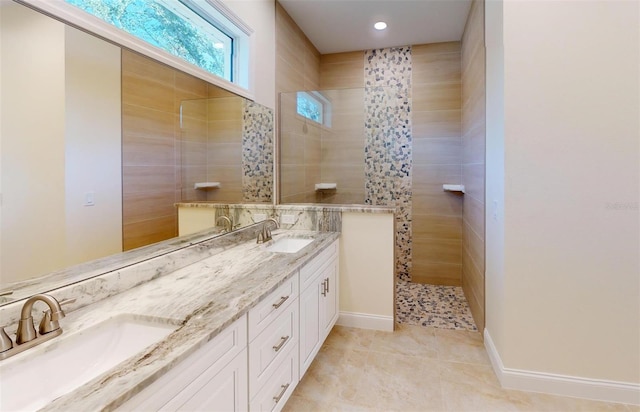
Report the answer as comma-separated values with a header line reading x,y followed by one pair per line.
x,y
99,143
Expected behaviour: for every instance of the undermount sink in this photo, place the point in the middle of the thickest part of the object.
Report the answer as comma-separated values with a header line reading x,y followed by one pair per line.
x,y
288,245
38,376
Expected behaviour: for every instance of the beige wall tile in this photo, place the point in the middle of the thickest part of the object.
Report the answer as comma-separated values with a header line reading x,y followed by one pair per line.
x,y
341,151
438,203
437,96
446,274
473,180
435,151
437,48
142,205
149,151
474,215
474,245
347,176
149,231
435,68
190,87
137,179
225,154
430,178
473,287
436,227
440,123
342,70
143,121
437,250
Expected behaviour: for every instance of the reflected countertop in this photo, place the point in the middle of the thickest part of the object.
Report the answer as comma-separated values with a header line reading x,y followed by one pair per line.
x,y
203,297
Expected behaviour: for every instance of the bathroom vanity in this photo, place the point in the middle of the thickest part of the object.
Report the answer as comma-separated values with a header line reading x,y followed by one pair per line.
x,y
243,325
257,361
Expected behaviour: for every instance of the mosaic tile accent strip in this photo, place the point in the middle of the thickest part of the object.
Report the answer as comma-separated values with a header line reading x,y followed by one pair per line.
x,y
442,307
388,157
257,153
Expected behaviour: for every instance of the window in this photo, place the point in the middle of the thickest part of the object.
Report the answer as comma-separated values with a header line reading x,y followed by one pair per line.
x,y
182,28
314,106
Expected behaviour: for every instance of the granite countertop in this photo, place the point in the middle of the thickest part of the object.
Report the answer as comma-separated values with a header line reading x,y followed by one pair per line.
x,y
355,208
202,298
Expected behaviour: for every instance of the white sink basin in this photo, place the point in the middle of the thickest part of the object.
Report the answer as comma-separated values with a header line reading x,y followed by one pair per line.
x,y
38,376
288,245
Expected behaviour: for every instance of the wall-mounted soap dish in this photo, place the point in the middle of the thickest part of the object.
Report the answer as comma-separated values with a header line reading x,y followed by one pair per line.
x,y
206,185
453,188
326,186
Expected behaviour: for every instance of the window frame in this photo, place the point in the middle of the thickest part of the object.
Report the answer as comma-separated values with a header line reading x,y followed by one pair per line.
x,y
325,104
228,20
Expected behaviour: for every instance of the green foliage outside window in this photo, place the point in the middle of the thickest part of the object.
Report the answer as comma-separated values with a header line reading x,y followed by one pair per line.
x,y
156,24
309,107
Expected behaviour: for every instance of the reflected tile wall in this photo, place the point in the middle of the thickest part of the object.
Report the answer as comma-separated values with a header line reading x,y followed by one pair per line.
x,y
257,153
388,146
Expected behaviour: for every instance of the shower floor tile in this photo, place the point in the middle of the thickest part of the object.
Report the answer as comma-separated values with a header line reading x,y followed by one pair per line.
x,y
443,307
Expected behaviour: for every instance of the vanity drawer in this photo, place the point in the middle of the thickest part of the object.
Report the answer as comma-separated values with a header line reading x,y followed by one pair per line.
x,y
272,306
272,345
275,393
308,272
208,360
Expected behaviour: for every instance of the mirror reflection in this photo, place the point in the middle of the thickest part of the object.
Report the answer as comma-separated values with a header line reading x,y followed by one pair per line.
x,y
99,143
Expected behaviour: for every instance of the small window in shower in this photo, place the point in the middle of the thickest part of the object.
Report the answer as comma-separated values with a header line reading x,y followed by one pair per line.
x,y
314,106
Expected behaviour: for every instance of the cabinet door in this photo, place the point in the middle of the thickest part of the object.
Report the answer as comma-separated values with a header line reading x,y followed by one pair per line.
x,y
329,299
309,325
225,391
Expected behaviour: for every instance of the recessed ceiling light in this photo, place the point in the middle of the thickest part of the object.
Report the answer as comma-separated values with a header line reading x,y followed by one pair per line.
x,y
380,25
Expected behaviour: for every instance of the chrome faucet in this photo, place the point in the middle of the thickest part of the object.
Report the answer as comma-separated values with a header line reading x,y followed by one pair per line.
x,y
26,336
265,234
228,224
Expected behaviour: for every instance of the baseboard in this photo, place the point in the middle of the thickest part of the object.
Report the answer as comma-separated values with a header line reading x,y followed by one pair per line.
x,y
366,321
530,381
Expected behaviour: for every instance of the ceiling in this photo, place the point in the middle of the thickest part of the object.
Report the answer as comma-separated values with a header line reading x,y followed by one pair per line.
x,y
335,26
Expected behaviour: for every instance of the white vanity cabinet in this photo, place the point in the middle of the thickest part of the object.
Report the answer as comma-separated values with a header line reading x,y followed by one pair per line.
x,y
257,362
213,378
273,348
318,303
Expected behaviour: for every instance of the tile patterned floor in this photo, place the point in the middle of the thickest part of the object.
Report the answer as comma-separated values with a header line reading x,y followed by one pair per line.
x,y
416,369
430,305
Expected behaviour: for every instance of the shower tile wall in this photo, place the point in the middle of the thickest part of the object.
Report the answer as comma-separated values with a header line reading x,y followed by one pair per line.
x,y
257,153
437,215
224,148
342,76
473,160
388,146
297,68
151,96
430,220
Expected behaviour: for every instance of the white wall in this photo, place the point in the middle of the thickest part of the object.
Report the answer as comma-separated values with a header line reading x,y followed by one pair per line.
x,y
567,302
32,143
367,288
495,306
93,147
260,16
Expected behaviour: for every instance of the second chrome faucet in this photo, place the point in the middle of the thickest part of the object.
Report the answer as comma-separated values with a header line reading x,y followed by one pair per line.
x,y
265,234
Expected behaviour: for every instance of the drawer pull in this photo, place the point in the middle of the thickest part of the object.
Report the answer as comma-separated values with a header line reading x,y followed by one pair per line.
x,y
324,288
281,394
327,280
282,300
279,346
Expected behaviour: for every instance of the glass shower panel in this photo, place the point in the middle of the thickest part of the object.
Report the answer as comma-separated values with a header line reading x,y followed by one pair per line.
x,y
323,162
211,146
